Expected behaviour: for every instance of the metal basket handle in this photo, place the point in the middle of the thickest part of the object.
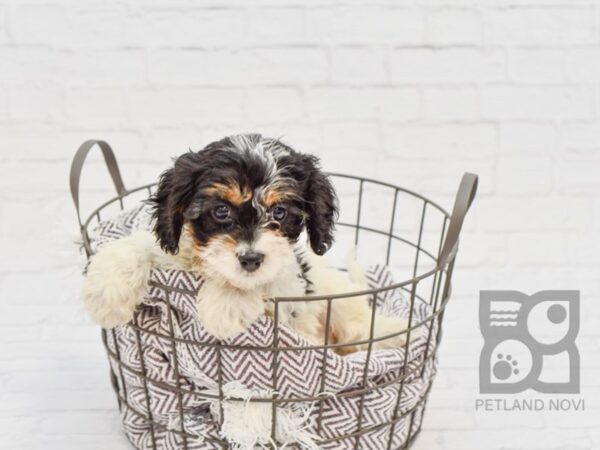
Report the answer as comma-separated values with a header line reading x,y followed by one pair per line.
x,y
464,198
77,165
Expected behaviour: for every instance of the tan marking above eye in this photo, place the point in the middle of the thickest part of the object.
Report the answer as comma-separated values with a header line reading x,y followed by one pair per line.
x,y
274,196
231,192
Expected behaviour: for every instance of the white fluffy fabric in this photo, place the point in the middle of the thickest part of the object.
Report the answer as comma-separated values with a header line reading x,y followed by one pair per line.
x,y
247,424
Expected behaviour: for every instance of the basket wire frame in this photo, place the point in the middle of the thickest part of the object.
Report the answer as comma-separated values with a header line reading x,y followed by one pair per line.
x,y
440,275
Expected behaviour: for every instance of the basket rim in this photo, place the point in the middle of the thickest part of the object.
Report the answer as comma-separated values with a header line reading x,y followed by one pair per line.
x,y
316,297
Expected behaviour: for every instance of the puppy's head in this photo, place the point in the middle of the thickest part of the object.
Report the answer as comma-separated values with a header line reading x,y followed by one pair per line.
x,y
244,200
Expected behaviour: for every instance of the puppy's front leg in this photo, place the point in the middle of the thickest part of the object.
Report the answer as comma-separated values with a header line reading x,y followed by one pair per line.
x,y
117,279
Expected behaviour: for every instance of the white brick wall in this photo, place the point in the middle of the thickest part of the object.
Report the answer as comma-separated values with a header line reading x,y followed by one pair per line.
x,y
414,93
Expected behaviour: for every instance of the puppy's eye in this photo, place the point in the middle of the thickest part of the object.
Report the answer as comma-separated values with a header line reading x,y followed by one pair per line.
x,y
279,213
221,213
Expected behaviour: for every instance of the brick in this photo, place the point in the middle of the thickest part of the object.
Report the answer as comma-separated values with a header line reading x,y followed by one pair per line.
x,y
167,142
530,440
455,141
536,102
180,106
487,250
537,248
448,398
596,214
345,161
40,24
102,106
341,103
97,27
583,248
531,213
433,180
32,64
366,25
276,25
456,26
526,137
85,422
451,103
357,65
535,3
582,141
525,420
524,175
397,104
531,279
87,442
121,67
428,440
20,333
247,66
20,430
3,23
537,65
449,419
543,26
3,103
36,102
583,64
28,381
194,27
25,145
273,105
11,285
447,65
578,177
357,135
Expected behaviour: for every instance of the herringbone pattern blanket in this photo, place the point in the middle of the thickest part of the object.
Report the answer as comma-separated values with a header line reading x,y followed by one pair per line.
x,y
183,375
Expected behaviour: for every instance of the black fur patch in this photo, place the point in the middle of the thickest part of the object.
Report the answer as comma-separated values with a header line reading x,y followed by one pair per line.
x,y
304,269
188,193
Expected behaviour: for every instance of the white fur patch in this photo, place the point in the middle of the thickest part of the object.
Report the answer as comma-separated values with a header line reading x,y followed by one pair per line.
x,y
231,298
117,278
221,260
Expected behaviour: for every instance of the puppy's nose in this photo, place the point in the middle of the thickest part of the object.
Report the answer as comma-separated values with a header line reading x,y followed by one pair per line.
x,y
250,261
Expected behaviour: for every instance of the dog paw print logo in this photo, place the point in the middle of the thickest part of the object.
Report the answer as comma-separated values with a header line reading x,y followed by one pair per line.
x,y
529,342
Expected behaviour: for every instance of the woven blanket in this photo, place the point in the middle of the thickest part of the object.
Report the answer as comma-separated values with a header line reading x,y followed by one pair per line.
x,y
183,377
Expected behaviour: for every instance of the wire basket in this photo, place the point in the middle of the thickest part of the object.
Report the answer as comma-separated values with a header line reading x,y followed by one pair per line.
x,y
425,259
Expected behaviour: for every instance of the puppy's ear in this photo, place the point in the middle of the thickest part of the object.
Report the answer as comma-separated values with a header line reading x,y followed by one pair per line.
x,y
173,201
321,206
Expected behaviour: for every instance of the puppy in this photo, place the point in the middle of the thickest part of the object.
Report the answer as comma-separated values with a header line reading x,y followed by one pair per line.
x,y
234,213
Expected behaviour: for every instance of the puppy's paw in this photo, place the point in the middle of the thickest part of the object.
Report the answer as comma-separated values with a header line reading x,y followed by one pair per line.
x,y
117,279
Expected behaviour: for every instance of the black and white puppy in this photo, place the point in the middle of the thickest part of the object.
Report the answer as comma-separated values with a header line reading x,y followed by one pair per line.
x,y
234,213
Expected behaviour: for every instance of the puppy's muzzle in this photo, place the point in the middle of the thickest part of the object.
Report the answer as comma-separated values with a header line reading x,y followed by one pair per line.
x,y
251,261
